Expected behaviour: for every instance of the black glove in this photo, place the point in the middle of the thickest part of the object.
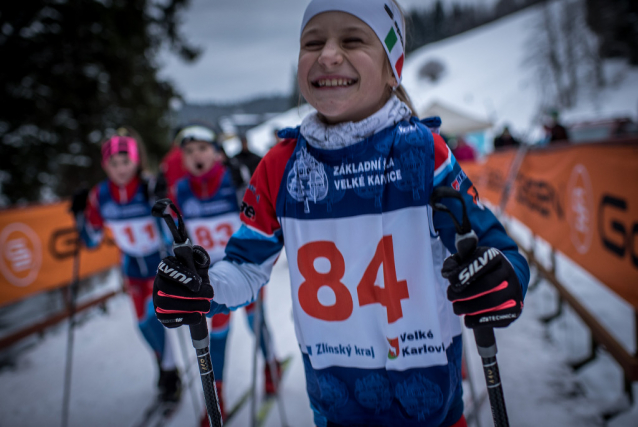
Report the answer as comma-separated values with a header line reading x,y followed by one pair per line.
x,y
182,296
484,288
78,201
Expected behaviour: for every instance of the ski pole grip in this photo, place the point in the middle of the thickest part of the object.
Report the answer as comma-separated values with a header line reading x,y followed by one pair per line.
x,y
485,341
199,334
466,244
184,253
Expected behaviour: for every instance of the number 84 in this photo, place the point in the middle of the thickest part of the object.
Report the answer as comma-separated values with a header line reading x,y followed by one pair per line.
x,y
389,296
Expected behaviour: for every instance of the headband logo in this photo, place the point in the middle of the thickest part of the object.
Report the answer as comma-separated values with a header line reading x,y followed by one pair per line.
x,y
387,9
391,40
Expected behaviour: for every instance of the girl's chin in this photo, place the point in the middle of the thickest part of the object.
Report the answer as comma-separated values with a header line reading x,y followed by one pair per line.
x,y
334,117
334,112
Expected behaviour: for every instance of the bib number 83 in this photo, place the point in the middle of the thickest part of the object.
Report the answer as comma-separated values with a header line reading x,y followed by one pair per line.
x,y
389,296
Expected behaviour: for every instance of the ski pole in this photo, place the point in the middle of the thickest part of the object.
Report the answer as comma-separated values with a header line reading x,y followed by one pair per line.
x,y
475,402
183,249
257,331
511,177
270,360
71,295
466,242
182,345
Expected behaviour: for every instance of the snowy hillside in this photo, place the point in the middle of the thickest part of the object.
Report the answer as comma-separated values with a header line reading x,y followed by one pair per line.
x,y
486,75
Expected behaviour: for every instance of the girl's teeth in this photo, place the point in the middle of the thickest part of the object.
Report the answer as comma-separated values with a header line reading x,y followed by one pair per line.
x,y
334,82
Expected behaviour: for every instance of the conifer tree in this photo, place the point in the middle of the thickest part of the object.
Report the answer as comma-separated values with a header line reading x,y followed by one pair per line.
x,y
74,70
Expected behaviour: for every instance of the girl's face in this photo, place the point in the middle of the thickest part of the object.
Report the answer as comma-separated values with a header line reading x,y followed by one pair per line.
x,y
342,68
199,157
120,169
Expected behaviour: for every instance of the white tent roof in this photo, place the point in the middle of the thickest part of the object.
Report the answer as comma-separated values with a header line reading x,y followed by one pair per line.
x,y
454,121
260,138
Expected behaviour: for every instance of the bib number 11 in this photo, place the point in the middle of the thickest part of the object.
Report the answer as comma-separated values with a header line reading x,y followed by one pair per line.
x,y
389,296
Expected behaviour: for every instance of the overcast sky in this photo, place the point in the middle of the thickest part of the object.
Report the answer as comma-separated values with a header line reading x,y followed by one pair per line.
x,y
250,48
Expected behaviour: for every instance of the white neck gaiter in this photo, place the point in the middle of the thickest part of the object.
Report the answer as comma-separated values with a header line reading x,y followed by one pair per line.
x,y
332,137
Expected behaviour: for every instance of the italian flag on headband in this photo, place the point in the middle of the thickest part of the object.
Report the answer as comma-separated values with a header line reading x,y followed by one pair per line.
x,y
395,52
383,16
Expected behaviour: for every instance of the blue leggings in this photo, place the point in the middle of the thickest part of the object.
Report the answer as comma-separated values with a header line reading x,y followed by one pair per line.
x,y
141,292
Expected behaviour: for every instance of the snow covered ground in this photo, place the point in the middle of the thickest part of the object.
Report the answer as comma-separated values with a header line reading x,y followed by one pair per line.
x,y
114,373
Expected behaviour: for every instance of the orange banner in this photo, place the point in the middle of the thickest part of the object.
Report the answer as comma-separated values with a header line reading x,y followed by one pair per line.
x,y
582,199
37,247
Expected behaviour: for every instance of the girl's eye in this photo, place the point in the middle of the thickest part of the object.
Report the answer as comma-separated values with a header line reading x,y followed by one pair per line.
x,y
313,44
352,41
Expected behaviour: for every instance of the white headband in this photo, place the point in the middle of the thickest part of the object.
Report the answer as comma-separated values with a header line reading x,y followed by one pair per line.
x,y
382,16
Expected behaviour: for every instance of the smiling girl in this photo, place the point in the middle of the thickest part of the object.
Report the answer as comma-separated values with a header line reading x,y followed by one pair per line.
x,y
346,194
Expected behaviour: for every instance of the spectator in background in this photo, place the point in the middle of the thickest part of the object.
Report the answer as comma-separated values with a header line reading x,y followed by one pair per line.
x,y
241,166
247,158
239,174
463,151
555,131
505,139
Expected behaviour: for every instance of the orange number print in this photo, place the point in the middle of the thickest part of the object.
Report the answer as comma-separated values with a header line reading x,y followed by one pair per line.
x,y
394,290
389,296
204,238
129,233
308,291
227,231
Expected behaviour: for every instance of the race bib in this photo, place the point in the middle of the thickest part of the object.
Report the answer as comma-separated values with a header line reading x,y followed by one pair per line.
x,y
136,236
365,292
213,233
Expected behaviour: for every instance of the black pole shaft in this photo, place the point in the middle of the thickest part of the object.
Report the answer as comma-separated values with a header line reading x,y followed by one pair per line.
x,y
272,367
486,344
199,335
257,331
71,296
495,391
182,344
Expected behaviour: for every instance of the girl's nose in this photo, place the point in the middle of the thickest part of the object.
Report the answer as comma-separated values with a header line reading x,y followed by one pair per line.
x,y
331,54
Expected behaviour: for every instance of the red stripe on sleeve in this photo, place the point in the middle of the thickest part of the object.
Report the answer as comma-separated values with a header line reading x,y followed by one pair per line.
x,y
441,152
260,200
